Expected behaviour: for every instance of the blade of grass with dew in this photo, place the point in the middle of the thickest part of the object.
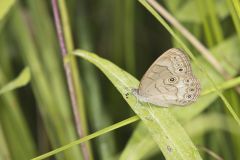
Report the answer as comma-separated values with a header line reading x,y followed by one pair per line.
x,y
22,80
166,131
200,67
55,121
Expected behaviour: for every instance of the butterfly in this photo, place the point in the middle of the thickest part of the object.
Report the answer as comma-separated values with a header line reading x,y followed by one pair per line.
x,y
169,81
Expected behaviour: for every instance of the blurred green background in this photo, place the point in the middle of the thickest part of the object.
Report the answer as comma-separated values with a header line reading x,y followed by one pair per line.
x,y
38,117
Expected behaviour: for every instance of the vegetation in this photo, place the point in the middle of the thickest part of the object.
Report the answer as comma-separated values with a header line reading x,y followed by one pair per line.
x,y
67,69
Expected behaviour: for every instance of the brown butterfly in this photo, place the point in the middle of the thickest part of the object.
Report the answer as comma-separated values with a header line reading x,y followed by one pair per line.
x,y
169,81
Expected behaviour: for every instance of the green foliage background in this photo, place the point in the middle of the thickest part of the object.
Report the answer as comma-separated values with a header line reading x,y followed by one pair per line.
x,y
35,111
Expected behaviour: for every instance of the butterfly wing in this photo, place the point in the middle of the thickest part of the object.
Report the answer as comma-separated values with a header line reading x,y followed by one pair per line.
x,y
169,80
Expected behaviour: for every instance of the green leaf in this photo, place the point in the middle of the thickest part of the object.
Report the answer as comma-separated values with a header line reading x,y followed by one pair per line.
x,y
5,5
164,128
22,80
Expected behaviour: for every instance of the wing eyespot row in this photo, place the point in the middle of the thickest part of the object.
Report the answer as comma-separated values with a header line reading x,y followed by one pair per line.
x,y
178,59
193,91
